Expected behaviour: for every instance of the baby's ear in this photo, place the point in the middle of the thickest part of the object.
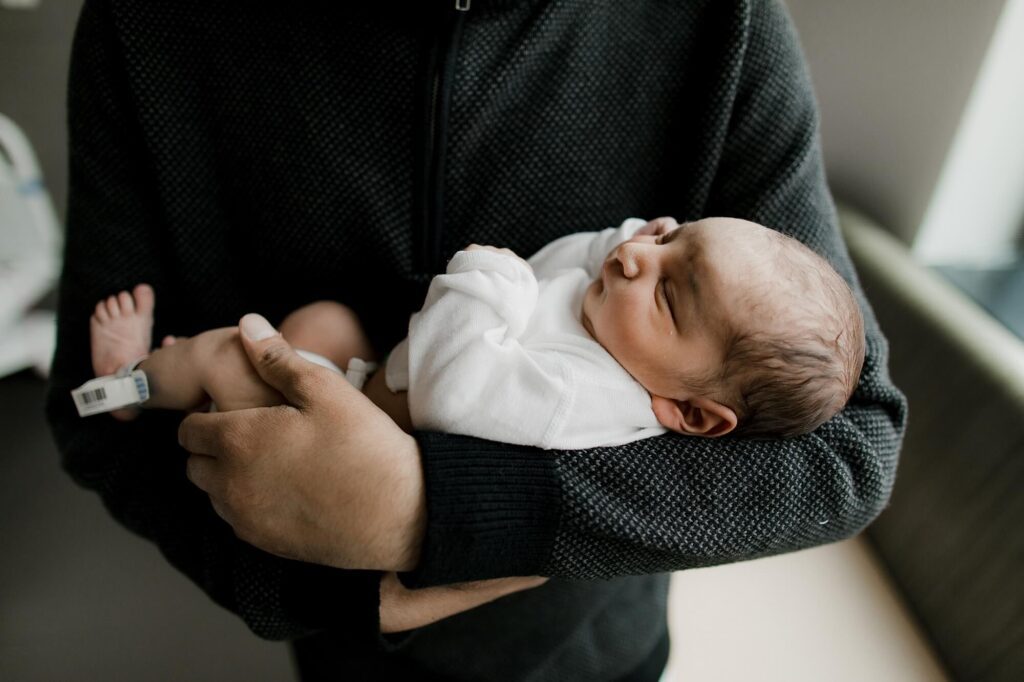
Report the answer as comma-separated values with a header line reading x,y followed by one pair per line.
x,y
694,416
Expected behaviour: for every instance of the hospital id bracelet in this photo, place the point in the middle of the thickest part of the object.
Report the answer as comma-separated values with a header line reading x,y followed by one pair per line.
x,y
112,392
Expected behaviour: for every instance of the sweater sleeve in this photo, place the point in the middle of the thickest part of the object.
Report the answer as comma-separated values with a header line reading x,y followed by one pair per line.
x,y
671,503
113,241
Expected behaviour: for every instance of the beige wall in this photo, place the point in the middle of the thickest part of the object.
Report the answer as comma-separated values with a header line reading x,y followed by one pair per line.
x,y
892,78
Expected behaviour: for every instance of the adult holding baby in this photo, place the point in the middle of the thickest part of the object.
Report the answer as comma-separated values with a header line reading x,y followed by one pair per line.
x,y
218,153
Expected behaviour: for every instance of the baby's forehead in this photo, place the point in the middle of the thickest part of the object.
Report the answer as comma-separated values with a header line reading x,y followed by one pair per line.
x,y
725,236
732,261
727,255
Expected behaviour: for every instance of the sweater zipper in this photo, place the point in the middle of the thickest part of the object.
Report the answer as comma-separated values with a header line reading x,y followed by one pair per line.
x,y
442,71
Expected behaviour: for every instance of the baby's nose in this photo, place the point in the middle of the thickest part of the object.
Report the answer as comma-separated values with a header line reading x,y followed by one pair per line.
x,y
629,257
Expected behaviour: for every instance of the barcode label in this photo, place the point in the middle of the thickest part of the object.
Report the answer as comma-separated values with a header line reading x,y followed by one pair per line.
x,y
93,396
104,394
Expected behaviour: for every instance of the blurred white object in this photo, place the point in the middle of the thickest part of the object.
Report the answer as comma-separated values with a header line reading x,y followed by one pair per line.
x,y
30,242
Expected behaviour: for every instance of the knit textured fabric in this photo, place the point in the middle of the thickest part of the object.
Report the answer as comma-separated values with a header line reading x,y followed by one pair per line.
x,y
250,157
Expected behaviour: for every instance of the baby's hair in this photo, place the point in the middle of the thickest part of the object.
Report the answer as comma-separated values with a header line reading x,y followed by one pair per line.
x,y
798,369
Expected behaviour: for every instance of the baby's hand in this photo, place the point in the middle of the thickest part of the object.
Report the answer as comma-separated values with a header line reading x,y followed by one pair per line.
x,y
495,249
659,226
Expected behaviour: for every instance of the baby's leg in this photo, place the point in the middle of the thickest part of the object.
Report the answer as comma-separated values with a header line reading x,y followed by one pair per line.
x,y
120,332
329,329
211,366
185,373
333,331
229,379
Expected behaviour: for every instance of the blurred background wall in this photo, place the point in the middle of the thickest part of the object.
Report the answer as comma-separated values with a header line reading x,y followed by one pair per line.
x,y
892,79
35,46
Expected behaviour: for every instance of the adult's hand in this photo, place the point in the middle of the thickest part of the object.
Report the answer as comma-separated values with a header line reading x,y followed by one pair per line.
x,y
405,609
327,478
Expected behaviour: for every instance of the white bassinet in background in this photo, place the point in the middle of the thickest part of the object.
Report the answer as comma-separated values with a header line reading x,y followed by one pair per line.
x,y
30,242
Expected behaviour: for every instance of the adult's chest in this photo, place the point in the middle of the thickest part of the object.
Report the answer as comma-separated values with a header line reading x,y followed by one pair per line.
x,y
297,150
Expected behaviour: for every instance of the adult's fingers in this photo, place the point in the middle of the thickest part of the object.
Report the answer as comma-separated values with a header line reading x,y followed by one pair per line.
x,y
404,609
277,363
206,474
203,473
235,433
215,434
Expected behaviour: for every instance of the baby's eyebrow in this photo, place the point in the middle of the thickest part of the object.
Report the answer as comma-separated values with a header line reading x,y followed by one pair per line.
x,y
695,260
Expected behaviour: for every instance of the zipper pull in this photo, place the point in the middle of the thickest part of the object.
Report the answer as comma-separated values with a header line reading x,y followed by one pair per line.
x,y
462,5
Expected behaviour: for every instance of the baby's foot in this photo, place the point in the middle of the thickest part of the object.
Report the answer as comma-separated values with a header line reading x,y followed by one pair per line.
x,y
120,332
121,329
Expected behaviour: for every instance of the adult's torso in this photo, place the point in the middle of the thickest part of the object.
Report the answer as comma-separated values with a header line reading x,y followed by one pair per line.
x,y
304,151
315,151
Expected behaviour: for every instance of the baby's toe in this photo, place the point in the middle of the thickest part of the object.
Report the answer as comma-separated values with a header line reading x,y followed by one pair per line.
x,y
113,308
126,302
145,299
101,313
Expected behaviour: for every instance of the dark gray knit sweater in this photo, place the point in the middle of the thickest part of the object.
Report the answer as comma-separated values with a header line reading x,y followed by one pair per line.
x,y
255,157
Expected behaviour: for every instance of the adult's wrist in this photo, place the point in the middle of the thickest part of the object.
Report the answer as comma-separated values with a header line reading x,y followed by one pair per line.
x,y
409,500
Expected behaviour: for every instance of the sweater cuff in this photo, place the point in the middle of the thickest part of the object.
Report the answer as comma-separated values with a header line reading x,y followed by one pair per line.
x,y
327,598
492,510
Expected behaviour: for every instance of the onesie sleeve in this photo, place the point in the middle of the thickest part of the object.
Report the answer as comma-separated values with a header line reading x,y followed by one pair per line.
x,y
671,503
113,241
469,373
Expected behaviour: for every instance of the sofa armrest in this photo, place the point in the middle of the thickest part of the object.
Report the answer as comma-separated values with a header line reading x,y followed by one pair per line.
x,y
952,536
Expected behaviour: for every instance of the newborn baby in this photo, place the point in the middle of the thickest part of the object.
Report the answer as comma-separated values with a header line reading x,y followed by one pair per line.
x,y
718,326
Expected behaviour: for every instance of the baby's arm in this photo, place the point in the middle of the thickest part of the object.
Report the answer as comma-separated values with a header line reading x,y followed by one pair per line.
x,y
464,365
396,404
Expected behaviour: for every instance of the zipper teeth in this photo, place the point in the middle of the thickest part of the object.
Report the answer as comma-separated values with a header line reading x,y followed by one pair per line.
x,y
430,209
434,181
435,93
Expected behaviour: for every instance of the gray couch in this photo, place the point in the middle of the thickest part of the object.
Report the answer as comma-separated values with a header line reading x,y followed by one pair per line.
x,y
953,535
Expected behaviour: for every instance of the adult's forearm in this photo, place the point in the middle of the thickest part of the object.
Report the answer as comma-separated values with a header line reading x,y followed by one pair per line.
x,y
664,504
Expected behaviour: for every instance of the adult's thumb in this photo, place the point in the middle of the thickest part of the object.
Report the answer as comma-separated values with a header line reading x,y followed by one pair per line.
x,y
275,360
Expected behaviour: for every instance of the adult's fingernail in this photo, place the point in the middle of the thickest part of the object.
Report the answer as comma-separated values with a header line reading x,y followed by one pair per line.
x,y
256,328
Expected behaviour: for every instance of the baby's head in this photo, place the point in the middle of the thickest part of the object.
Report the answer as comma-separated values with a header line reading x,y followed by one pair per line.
x,y
731,327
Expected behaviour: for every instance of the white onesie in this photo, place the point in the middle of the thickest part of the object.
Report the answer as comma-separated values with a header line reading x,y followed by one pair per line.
x,y
498,352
